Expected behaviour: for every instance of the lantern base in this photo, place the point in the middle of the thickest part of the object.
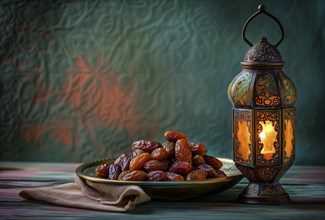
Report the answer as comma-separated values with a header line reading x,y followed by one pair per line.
x,y
264,193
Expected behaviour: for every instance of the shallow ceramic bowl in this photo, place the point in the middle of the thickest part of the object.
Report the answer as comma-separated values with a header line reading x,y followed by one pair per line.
x,y
169,190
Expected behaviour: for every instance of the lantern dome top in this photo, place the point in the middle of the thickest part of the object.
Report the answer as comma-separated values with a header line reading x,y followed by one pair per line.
x,y
263,52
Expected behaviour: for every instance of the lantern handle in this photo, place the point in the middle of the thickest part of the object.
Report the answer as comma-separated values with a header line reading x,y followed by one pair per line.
x,y
261,9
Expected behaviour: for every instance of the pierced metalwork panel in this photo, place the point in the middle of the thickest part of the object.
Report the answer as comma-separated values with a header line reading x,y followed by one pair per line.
x,y
268,173
263,52
248,172
242,140
273,119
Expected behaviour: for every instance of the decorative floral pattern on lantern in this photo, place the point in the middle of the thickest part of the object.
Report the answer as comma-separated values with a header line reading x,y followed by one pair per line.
x,y
267,92
263,52
289,90
240,91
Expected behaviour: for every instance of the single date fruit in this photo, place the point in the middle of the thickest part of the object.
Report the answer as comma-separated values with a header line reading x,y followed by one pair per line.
x,y
174,177
138,162
146,145
123,173
175,136
197,160
159,154
198,148
197,175
181,167
183,151
123,161
152,165
114,172
102,170
157,175
137,175
136,152
212,173
169,146
220,174
212,161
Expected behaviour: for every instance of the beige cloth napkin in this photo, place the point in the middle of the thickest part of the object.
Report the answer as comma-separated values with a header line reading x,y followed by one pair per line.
x,y
89,195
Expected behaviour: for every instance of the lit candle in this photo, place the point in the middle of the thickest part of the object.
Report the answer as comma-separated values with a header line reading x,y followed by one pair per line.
x,y
268,137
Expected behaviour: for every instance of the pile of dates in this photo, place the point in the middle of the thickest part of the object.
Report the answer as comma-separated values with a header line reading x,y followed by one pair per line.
x,y
175,160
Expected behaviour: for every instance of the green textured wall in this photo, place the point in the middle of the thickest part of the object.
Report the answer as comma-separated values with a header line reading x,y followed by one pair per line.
x,y
82,80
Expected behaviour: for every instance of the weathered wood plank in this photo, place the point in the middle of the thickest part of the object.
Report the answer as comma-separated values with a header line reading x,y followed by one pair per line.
x,y
305,184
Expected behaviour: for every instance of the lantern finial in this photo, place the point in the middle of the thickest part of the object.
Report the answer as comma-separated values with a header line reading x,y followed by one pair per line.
x,y
261,7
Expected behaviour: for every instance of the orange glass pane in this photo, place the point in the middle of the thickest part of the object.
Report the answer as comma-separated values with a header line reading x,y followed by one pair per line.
x,y
288,135
244,139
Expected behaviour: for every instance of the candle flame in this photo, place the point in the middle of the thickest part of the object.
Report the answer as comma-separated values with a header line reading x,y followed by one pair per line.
x,y
268,138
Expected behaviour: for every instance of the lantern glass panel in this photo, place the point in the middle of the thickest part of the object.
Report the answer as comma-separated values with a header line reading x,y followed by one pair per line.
x,y
242,133
268,137
289,134
244,138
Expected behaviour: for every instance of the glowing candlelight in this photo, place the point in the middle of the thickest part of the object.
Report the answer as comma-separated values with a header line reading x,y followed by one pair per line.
x,y
268,137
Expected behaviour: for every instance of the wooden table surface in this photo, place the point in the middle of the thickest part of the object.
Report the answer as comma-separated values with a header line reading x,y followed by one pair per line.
x,y
305,184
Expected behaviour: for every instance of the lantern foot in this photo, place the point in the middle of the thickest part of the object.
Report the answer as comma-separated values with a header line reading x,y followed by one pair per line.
x,y
264,193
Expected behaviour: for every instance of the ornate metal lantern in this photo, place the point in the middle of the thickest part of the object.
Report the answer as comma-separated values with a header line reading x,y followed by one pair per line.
x,y
263,99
